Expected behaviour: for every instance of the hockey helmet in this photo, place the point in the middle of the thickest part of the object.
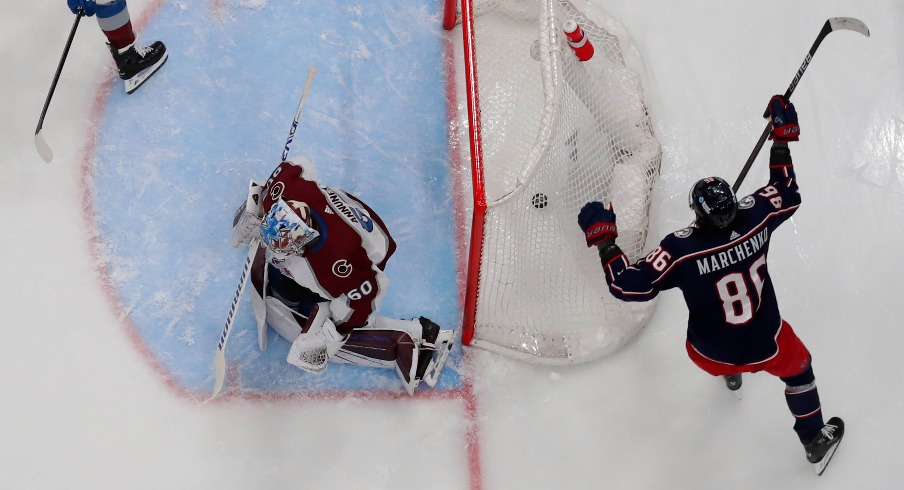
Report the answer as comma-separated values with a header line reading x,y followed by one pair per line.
x,y
286,228
714,202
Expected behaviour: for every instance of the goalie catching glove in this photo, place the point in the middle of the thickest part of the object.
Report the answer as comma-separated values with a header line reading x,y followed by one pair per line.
x,y
317,343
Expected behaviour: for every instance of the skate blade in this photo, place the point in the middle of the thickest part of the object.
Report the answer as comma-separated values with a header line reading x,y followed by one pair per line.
x,y
138,80
444,342
820,467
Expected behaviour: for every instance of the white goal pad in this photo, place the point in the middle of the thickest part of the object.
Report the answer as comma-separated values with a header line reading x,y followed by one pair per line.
x,y
554,133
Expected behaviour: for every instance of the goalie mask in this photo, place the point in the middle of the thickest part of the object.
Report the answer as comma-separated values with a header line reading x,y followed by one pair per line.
x,y
713,201
286,228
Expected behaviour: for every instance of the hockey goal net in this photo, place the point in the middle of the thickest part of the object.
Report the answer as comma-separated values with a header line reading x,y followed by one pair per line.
x,y
541,134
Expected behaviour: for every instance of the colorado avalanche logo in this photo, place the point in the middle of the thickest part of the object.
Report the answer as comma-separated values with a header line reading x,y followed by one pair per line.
x,y
276,190
341,268
747,202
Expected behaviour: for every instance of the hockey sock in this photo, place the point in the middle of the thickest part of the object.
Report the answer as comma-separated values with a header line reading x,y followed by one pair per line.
x,y
803,401
113,19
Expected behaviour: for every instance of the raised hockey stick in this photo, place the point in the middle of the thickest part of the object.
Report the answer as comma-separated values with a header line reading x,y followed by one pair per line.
x,y
831,25
219,360
40,144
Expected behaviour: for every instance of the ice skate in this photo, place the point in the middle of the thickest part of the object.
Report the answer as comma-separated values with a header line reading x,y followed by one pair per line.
x,y
136,64
434,350
822,447
733,381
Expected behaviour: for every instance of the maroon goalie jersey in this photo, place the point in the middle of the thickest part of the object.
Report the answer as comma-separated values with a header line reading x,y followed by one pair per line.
x,y
345,265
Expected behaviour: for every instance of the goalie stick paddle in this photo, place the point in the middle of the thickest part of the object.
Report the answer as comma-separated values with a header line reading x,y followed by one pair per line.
x,y
40,144
831,25
219,359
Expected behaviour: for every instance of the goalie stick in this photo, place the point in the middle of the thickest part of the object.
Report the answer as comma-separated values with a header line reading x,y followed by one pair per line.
x,y
219,360
40,144
831,25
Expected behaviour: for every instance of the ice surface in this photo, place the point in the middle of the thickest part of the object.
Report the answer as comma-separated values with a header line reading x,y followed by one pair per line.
x,y
86,407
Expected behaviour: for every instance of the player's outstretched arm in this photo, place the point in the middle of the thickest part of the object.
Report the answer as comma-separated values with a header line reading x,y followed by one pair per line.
x,y
785,128
625,282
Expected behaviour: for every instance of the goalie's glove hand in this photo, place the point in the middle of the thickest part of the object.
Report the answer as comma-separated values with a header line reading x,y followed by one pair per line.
x,y
318,342
89,7
784,119
598,222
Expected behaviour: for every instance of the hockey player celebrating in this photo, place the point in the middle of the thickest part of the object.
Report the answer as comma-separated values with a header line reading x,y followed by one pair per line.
x,y
719,264
319,277
135,63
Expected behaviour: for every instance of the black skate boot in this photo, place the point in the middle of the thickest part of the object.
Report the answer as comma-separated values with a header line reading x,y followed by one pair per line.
x,y
822,447
733,381
429,335
137,64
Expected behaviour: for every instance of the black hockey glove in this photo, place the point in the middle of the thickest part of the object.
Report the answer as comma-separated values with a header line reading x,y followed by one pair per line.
x,y
784,119
598,223
88,7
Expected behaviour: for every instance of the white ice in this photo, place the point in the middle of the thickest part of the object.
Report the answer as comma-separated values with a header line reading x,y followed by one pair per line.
x,y
81,409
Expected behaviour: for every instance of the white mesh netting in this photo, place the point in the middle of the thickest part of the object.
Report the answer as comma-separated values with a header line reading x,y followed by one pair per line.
x,y
556,133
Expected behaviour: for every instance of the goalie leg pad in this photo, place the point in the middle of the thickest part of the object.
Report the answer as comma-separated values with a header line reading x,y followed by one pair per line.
x,y
258,279
286,305
409,379
416,349
287,323
387,342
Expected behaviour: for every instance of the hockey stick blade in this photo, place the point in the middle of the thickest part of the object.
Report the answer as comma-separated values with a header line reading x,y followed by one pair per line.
x,y
833,24
848,24
219,360
43,148
219,366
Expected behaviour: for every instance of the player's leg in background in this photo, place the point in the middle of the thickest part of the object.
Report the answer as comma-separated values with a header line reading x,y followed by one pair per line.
x,y
135,63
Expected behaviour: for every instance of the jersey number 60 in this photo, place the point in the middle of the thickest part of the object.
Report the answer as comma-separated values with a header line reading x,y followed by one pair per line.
x,y
359,292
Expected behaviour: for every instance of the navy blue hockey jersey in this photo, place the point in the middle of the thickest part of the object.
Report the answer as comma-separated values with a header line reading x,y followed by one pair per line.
x,y
733,314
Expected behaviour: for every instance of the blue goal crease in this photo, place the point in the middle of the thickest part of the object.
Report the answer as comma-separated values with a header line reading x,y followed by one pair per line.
x,y
173,161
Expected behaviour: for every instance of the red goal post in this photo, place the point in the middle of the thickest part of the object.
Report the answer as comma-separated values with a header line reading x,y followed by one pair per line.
x,y
547,133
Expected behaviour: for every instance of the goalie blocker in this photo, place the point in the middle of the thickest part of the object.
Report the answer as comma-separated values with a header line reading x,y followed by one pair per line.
x,y
318,279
